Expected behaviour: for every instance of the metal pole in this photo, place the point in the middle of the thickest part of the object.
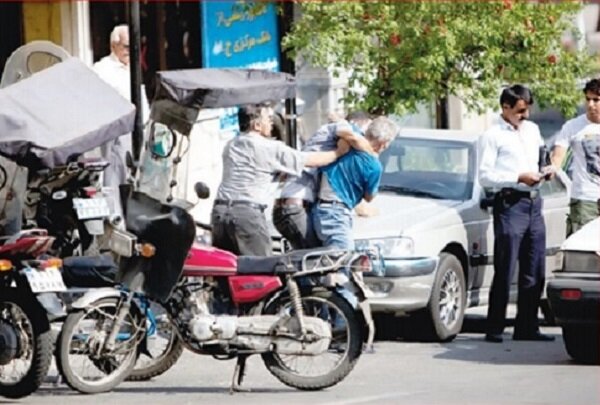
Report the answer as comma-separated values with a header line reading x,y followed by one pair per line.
x,y
137,136
288,66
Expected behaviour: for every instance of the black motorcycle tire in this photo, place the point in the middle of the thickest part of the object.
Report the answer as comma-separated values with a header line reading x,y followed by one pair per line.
x,y
160,364
41,342
354,345
63,348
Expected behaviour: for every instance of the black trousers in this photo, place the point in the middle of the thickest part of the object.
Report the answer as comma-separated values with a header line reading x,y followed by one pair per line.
x,y
240,229
520,237
294,223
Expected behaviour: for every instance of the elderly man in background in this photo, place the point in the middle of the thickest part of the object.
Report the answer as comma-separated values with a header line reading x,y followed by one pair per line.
x,y
114,69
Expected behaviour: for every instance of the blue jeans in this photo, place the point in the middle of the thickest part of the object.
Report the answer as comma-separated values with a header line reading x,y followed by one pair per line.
x,y
333,225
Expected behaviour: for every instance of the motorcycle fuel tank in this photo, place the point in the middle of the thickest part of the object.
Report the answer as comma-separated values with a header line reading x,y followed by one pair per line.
x,y
205,260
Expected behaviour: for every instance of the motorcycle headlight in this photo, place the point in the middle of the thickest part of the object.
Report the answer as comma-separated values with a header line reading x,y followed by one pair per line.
x,y
389,247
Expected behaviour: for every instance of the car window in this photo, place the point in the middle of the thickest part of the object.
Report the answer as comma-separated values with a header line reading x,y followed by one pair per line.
x,y
428,168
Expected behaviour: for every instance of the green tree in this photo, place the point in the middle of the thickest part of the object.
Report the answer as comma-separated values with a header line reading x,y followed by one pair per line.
x,y
403,53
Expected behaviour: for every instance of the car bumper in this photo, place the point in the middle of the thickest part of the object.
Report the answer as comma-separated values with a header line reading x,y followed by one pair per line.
x,y
406,285
584,310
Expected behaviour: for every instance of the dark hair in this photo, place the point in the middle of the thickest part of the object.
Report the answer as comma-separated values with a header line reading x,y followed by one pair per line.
x,y
358,116
511,95
593,86
248,114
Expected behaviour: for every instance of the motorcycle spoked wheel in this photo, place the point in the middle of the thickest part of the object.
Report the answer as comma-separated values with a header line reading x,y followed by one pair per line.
x,y
24,374
81,359
304,372
164,345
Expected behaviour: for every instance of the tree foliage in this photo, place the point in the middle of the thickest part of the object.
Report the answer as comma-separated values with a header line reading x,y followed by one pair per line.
x,y
403,53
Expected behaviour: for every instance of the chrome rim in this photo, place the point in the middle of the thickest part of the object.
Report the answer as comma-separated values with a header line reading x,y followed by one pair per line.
x,y
450,303
314,366
88,360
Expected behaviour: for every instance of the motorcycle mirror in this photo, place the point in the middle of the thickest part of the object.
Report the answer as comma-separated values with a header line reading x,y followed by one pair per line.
x,y
162,140
202,190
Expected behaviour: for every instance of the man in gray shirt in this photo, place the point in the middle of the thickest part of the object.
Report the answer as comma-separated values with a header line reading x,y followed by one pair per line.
x,y
250,162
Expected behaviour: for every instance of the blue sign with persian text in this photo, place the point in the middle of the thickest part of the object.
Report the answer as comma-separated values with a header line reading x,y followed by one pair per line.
x,y
238,34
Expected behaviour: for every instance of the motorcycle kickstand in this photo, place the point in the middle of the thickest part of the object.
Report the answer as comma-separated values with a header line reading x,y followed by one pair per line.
x,y
238,375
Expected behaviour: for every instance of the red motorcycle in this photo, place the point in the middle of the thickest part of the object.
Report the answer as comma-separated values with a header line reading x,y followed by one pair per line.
x,y
25,337
305,313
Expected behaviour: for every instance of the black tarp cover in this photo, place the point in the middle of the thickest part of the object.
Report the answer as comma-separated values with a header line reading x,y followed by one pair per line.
x,y
180,94
59,113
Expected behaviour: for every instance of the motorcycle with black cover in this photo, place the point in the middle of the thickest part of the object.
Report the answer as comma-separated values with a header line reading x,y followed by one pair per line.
x,y
296,310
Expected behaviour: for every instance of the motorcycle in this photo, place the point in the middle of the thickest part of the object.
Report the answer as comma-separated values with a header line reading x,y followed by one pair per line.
x,y
294,310
25,337
68,202
37,135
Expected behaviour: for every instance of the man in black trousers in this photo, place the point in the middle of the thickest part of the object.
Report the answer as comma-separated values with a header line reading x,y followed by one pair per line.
x,y
510,167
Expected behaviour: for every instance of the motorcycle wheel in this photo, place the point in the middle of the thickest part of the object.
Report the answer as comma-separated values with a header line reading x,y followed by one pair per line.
x,y
304,372
164,345
81,358
25,320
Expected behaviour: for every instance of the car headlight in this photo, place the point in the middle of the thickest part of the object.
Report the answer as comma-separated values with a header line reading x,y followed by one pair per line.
x,y
389,247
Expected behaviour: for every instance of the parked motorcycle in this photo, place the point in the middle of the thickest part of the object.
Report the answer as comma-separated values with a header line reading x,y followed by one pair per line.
x,y
43,130
299,310
25,338
68,202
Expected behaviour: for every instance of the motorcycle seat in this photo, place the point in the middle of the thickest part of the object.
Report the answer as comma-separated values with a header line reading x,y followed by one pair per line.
x,y
263,265
89,271
286,263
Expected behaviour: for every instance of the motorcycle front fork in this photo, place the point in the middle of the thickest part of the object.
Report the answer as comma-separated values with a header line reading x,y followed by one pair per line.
x,y
122,311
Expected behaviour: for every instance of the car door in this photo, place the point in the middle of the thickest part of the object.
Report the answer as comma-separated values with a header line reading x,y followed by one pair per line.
x,y
555,193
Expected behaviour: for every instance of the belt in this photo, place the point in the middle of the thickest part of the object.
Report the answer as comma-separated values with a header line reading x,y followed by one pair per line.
x,y
231,203
282,202
512,193
332,203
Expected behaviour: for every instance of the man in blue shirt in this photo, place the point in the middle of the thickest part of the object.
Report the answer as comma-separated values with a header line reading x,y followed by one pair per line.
x,y
291,211
344,183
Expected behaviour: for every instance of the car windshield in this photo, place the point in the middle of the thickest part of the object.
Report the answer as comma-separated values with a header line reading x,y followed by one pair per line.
x,y
428,168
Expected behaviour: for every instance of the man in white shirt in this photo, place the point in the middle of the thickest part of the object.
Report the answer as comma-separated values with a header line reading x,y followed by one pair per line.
x,y
114,70
582,134
510,167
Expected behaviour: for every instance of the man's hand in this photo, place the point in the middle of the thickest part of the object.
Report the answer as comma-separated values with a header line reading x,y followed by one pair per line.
x,y
342,148
364,209
529,178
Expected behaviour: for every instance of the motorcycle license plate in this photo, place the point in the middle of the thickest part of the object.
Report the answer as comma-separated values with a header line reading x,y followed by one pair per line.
x,y
88,208
47,280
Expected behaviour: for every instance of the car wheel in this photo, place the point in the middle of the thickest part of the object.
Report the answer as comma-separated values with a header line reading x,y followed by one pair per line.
x,y
582,343
443,317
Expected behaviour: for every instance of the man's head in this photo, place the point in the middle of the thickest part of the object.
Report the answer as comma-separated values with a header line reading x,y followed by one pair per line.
x,y
515,102
257,118
381,132
119,43
361,119
592,100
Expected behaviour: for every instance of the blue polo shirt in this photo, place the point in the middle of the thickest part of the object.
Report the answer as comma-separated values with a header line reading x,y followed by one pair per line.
x,y
354,175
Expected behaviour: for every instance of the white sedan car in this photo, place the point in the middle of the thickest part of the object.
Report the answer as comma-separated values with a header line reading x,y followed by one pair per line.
x,y
436,239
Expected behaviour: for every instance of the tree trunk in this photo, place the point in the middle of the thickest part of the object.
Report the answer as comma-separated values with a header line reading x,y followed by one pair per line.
x,y
442,113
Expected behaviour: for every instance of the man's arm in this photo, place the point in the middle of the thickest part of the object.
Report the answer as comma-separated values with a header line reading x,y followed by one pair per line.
x,y
318,159
356,141
558,155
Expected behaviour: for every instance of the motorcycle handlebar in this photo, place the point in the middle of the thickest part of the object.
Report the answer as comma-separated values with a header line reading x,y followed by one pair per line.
x,y
204,226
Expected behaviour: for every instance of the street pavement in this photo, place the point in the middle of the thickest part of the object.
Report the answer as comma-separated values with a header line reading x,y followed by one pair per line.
x,y
465,371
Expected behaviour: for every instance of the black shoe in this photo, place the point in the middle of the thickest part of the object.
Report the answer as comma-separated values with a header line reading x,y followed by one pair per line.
x,y
493,337
536,336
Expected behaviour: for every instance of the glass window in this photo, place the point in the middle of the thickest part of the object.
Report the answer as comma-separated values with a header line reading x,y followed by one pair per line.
x,y
428,168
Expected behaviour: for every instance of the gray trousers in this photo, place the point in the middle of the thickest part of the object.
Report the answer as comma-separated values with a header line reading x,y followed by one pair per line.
x,y
240,229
